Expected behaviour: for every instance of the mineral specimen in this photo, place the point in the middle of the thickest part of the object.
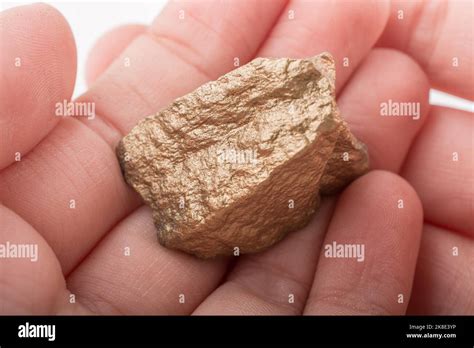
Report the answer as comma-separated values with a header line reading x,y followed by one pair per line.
x,y
241,161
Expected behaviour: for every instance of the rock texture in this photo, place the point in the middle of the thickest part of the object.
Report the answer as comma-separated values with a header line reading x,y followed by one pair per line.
x,y
242,160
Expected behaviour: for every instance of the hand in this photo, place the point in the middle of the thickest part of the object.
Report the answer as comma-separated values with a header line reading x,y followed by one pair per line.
x,y
62,189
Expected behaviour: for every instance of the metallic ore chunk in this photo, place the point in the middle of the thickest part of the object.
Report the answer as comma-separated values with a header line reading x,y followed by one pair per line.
x,y
242,160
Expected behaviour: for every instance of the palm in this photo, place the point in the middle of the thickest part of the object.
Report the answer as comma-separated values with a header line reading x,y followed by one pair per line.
x,y
97,242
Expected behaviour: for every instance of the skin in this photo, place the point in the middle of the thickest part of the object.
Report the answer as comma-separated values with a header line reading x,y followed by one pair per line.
x,y
81,250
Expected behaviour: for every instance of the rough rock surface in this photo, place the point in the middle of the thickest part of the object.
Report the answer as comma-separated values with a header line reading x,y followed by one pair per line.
x,y
242,160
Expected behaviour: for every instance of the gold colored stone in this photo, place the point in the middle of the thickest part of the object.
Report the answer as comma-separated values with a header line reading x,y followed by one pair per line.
x,y
241,161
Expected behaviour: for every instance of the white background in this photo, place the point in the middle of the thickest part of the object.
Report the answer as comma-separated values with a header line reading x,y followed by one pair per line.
x,y
90,19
